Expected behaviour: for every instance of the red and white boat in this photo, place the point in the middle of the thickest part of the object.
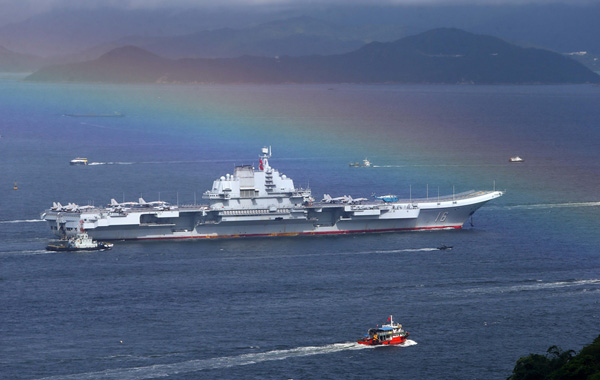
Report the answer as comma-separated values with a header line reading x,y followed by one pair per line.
x,y
389,334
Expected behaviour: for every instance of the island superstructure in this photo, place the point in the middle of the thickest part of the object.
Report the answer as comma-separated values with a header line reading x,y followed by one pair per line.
x,y
263,202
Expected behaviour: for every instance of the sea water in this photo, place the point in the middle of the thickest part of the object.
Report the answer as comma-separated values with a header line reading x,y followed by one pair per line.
x,y
523,276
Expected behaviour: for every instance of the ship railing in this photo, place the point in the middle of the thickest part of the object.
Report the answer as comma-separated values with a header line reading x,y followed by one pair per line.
x,y
444,198
193,206
410,201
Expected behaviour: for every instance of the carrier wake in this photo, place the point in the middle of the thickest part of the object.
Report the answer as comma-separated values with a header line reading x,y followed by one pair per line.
x,y
263,202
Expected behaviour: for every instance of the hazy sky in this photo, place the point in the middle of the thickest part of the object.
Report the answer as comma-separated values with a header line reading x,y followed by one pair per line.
x,y
36,6
18,10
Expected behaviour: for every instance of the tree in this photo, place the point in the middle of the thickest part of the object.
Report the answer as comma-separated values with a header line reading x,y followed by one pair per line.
x,y
583,366
560,365
531,367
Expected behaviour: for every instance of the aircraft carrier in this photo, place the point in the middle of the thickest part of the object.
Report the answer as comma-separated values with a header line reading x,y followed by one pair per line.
x,y
263,202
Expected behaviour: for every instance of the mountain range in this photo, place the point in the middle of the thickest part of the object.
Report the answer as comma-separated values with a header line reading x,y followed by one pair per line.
x,y
296,36
68,37
444,55
556,26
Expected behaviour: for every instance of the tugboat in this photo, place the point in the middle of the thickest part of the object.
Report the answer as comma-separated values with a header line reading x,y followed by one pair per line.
x,y
390,334
80,242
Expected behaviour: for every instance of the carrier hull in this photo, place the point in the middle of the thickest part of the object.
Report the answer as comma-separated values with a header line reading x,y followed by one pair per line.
x,y
202,223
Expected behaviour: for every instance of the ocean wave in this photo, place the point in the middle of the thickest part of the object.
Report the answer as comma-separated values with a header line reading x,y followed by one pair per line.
x,y
163,370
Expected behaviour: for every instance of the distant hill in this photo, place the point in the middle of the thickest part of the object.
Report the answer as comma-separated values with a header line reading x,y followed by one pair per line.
x,y
129,64
69,30
296,36
438,56
588,59
559,26
16,62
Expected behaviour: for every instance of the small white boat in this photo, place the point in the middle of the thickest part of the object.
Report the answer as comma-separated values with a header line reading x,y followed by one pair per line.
x,y
79,161
516,159
366,164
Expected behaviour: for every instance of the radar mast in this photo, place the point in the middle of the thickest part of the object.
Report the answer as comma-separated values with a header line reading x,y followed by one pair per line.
x,y
263,159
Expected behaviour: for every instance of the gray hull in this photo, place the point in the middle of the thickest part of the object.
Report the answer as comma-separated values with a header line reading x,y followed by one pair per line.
x,y
314,220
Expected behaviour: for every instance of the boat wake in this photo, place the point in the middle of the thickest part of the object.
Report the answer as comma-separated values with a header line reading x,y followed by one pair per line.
x,y
345,253
543,206
22,221
110,163
406,250
408,343
536,286
26,252
164,370
434,166
146,163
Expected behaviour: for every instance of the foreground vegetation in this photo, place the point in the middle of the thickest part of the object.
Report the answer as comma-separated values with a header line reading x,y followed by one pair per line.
x,y
560,365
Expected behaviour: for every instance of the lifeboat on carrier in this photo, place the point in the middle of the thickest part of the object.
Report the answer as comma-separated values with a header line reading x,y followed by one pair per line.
x,y
389,334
